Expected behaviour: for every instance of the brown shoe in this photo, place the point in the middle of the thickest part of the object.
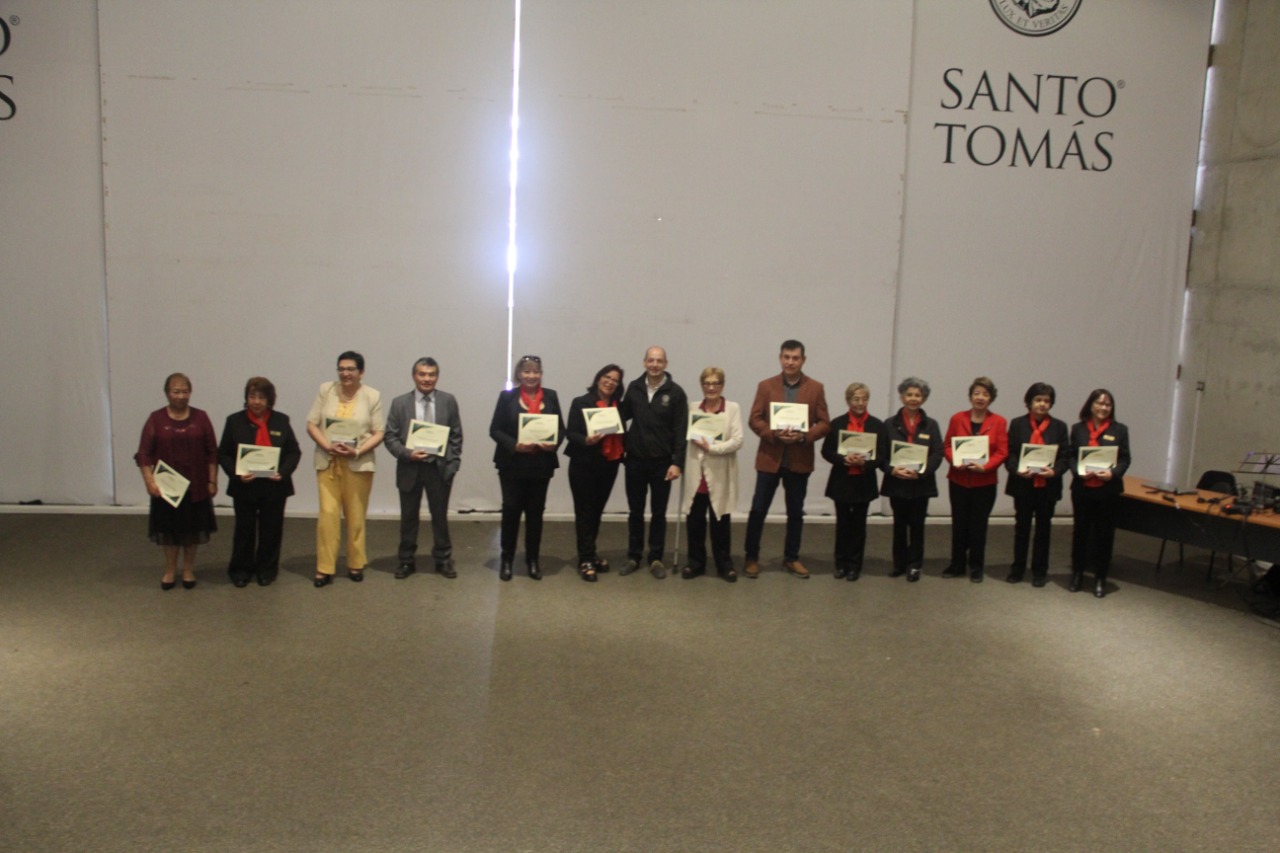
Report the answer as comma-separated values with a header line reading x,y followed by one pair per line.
x,y
796,568
752,569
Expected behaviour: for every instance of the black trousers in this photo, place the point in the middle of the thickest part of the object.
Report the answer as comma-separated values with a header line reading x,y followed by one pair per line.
x,y
1094,531
970,513
1038,508
647,477
697,523
430,479
794,488
527,497
255,545
591,483
908,531
851,534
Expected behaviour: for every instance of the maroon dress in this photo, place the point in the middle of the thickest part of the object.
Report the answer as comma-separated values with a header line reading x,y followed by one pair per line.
x,y
190,446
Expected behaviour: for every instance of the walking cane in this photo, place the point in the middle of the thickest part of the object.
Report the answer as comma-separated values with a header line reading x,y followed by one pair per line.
x,y
675,563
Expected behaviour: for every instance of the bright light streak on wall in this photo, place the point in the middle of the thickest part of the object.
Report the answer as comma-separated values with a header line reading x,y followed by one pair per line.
x,y
513,176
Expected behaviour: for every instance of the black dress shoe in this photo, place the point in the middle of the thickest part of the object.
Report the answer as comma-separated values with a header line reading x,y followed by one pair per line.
x,y
602,566
913,575
841,572
898,571
504,573
322,580
446,568
977,576
405,570
1014,577
1077,581
1100,588
954,572
356,575
853,575
1039,581
240,583
265,581
535,572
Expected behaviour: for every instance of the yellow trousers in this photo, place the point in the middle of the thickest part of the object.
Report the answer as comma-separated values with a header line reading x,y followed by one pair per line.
x,y
341,489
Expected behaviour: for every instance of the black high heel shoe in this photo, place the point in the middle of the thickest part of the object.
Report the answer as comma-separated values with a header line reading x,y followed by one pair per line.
x,y
168,585
188,584
322,580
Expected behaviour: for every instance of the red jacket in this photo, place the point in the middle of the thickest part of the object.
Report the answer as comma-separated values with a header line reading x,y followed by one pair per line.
x,y
996,430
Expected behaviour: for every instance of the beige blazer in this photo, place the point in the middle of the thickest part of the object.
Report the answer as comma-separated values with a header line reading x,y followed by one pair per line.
x,y
368,411
719,465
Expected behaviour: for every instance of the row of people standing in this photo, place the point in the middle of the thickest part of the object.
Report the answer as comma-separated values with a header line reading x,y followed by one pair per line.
x,y
655,452
972,485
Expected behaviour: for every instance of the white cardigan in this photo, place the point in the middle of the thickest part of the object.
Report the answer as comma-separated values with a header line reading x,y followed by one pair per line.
x,y
719,465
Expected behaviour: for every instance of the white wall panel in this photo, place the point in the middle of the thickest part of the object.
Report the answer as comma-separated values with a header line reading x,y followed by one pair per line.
x,y
1070,275
287,180
55,378
714,177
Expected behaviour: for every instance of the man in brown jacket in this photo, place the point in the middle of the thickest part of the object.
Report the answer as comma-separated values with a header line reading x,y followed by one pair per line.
x,y
785,455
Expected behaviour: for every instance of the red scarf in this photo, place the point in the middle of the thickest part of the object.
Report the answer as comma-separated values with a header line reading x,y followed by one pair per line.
x,y
610,445
857,424
1092,481
263,438
1037,437
910,428
532,404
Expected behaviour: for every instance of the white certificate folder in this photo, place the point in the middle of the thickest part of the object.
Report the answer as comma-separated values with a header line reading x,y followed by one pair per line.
x,y
424,435
256,460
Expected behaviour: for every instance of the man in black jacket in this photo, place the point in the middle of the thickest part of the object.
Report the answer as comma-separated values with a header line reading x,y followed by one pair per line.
x,y
658,414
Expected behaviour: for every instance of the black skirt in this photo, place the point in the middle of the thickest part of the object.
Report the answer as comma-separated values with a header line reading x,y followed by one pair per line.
x,y
189,523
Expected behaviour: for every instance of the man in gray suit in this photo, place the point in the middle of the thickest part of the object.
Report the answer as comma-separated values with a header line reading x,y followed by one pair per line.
x,y
419,470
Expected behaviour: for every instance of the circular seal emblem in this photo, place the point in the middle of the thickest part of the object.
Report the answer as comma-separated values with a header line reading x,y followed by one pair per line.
x,y
1035,17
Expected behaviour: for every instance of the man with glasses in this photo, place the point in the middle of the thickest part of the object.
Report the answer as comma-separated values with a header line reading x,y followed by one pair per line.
x,y
430,470
658,414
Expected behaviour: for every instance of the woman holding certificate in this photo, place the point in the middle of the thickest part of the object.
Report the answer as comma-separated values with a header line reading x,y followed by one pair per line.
x,y
347,424
910,453
527,427
178,457
595,453
1036,462
851,448
259,454
976,445
1099,457
715,435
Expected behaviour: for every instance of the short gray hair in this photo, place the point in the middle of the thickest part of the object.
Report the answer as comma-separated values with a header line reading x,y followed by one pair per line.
x,y
914,382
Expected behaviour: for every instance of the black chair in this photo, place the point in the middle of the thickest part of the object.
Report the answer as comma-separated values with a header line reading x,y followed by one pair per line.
x,y
1222,482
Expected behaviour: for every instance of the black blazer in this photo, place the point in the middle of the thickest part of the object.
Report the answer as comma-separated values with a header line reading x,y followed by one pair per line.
x,y
239,430
504,428
1020,434
1118,435
841,487
926,433
577,447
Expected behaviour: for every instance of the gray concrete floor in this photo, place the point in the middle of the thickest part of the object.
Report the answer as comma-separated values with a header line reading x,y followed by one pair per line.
x,y
628,715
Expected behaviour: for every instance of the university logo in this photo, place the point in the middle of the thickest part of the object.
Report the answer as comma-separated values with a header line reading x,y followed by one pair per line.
x,y
1035,17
